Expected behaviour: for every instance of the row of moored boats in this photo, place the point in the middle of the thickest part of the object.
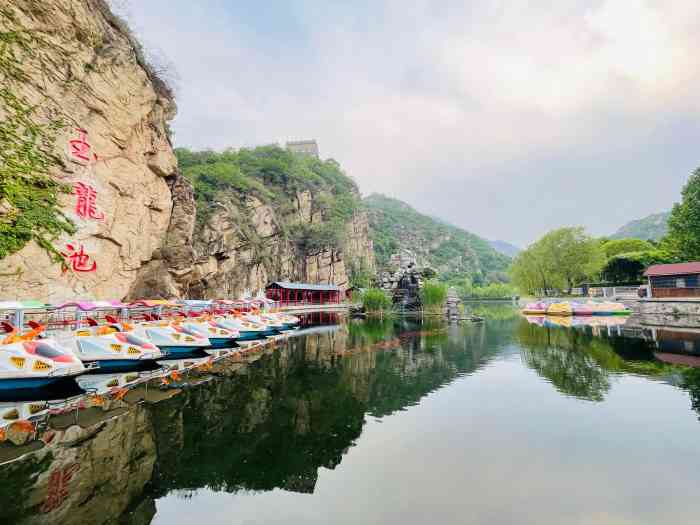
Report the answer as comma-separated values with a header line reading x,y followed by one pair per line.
x,y
42,344
572,308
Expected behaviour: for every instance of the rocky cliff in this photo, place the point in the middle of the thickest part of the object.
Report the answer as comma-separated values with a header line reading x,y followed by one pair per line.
x,y
242,227
80,97
91,200
245,247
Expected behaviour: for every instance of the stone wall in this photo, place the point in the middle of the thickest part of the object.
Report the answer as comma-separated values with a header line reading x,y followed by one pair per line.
x,y
667,312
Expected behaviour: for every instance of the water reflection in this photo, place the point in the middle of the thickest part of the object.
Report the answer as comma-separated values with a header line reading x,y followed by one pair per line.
x,y
278,417
266,420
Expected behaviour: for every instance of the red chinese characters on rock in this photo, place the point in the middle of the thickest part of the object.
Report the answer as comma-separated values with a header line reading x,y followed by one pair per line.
x,y
58,487
86,203
79,148
78,260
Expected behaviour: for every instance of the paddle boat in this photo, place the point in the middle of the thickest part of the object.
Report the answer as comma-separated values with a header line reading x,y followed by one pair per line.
x,y
27,362
271,322
170,337
582,309
218,337
145,321
572,308
608,308
537,308
110,349
106,345
249,326
563,309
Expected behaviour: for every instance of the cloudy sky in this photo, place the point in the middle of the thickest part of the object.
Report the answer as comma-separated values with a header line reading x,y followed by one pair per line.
x,y
507,118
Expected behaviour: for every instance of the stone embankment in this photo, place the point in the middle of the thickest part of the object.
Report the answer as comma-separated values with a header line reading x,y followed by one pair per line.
x,y
676,313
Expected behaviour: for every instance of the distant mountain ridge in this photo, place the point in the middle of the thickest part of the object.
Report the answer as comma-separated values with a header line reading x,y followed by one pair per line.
x,y
653,227
506,248
453,252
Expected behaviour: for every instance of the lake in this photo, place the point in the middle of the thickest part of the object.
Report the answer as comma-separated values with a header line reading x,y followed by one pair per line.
x,y
509,421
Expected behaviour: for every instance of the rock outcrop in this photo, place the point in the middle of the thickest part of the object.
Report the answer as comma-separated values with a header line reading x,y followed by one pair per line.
x,y
245,248
82,68
137,232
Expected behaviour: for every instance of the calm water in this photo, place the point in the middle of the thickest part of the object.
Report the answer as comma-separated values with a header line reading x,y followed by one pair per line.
x,y
506,422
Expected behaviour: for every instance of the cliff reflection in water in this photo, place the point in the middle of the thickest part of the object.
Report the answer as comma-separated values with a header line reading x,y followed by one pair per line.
x,y
257,423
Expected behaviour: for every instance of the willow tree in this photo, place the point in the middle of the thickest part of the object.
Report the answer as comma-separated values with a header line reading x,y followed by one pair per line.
x,y
559,260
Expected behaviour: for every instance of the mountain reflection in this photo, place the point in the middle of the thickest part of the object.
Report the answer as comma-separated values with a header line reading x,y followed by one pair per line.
x,y
272,418
256,424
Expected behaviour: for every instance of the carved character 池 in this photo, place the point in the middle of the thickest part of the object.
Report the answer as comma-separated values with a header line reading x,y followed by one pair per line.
x,y
79,260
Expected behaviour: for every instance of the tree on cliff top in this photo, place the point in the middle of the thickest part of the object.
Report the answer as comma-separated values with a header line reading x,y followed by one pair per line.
x,y
684,223
275,176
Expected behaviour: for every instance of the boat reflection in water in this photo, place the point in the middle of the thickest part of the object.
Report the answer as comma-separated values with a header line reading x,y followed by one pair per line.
x,y
269,418
280,415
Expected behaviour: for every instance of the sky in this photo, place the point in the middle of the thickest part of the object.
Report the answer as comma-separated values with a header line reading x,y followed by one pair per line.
x,y
506,118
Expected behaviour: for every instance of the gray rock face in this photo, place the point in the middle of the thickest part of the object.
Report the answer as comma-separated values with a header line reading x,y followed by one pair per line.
x,y
141,237
83,69
243,246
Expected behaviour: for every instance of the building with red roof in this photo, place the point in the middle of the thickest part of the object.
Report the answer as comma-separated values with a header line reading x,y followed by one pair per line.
x,y
674,280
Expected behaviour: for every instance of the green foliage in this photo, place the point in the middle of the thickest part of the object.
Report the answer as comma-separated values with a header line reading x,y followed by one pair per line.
x,y
28,194
359,272
491,291
684,223
433,294
629,267
313,237
375,300
614,247
275,176
455,253
559,260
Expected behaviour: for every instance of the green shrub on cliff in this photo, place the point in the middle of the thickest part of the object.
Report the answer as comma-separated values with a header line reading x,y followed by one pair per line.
x,y
275,176
29,208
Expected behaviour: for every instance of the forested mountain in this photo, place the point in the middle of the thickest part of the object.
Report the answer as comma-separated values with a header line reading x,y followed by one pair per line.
x,y
652,227
453,252
505,248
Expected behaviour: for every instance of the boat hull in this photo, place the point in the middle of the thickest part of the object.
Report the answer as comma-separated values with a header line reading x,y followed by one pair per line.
x,y
170,351
254,335
222,342
121,365
27,383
